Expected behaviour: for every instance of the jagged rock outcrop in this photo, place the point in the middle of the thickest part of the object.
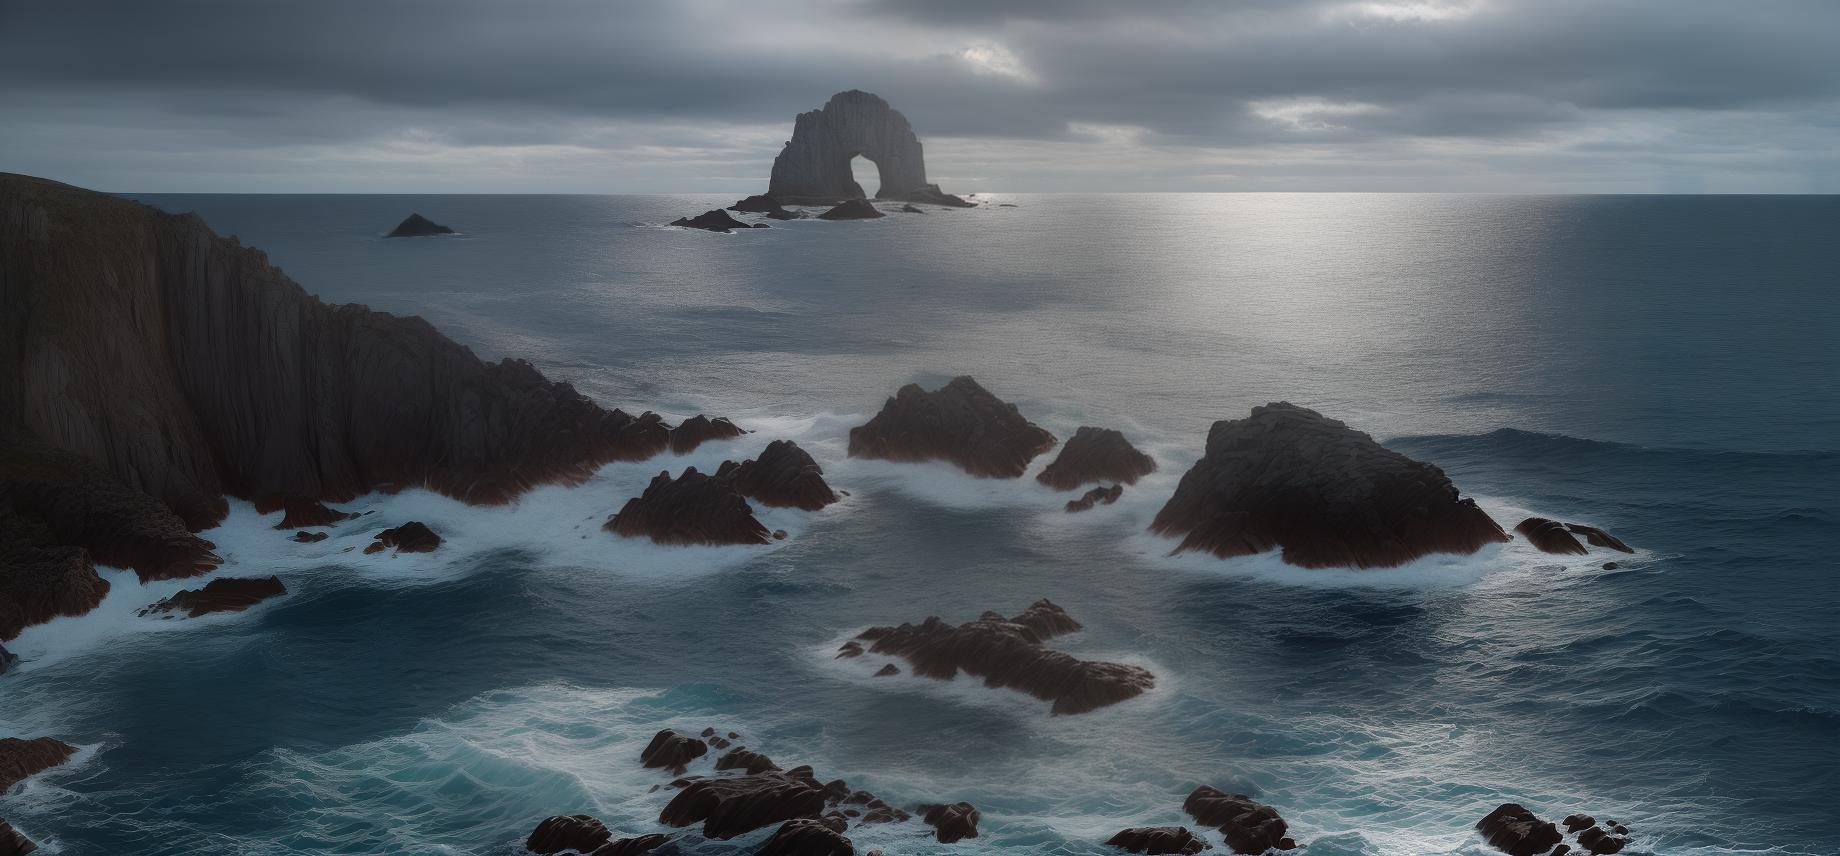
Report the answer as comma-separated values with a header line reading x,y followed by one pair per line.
x,y
1159,840
852,209
951,823
700,429
694,508
228,594
807,837
814,166
411,537
302,513
764,204
188,367
7,659
1096,455
727,807
1551,536
783,476
13,842
671,751
20,759
1247,826
1514,830
1329,496
417,226
743,758
961,423
715,220
1096,496
1008,652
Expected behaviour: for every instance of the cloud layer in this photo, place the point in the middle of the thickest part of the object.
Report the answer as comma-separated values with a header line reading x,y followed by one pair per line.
x,y
469,95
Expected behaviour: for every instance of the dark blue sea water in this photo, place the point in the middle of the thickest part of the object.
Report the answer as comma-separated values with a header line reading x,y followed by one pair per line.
x,y
1665,367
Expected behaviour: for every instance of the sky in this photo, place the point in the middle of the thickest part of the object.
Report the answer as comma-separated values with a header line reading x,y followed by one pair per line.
x,y
466,96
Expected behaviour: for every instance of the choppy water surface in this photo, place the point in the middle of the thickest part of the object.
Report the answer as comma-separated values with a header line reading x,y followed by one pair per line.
x,y
1663,367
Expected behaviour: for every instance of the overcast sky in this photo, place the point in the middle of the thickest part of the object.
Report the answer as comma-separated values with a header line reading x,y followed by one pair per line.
x,y
687,95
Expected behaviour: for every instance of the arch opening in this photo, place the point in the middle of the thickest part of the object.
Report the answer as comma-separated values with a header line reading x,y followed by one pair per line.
x,y
867,174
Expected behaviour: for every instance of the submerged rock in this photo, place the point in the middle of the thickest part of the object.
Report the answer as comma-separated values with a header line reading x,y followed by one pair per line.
x,y
715,220
21,759
305,537
910,209
417,226
1096,455
1329,496
784,476
1247,826
411,537
1551,536
1159,840
13,842
1514,830
228,594
951,823
888,670
807,837
671,751
1009,653
961,423
693,508
852,209
700,429
1096,496
728,807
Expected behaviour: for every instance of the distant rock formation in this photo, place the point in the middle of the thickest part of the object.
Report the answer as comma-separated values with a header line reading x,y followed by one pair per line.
x,y
1008,652
228,594
783,476
1290,478
1247,826
1551,536
1159,841
694,508
411,537
417,226
852,209
1096,496
715,221
764,204
699,429
961,423
814,167
22,759
1096,455
911,209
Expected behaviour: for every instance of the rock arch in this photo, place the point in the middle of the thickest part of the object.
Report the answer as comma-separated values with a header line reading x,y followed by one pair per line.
x,y
814,167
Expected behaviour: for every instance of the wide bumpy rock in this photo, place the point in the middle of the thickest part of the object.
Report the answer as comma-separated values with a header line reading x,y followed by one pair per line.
x,y
694,508
671,751
814,167
961,423
1159,840
411,537
13,842
951,823
1514,830
1247,826
229,594
1096,455
699,429
1551,536
807,837
727,807
189,368
20,759
417,226
715,221
584,834
1008,652
784,476
1289,478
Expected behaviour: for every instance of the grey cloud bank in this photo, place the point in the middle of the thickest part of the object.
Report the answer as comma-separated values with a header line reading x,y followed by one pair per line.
x,y
1485,95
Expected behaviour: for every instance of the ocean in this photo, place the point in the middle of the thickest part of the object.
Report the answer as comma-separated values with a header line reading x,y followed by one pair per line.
x,y
1667,368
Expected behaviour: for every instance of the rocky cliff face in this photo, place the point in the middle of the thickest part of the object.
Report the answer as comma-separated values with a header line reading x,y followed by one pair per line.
x,y
814,167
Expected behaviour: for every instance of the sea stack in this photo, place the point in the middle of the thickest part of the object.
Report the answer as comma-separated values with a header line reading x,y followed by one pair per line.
x,y
1289,478
814,167
417,226
961,423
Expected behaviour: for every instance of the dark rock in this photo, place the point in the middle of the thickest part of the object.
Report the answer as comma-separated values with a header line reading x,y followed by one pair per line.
x,y
1576,822
961,423
1600,841
1009,653
411,537
701,429
1516,831
694,508
672,751
417,226
910,209
851,648
852,209
807,837
1157,840
815,164
779,534
578,832
302,513
951,823
715,221
7,659
1006,205
305,537
1551,536
1610,566
836,791
1096,496
759,203
1096,455
785,215
41,579
196,370
1047,620
1328,495
228,594
635,846
1560,850
743,758
13,842
1247,826
728,807
887,671
20,759
784,476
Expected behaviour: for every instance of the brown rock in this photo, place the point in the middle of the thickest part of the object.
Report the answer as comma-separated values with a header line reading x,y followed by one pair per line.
x,y
1155,840
20,759
692,509
635,846
303,513
951,823
1327,495
742,758
411,537
578,832
672,751
1516,831
700,429
807,837
1096,455
1247,826
784,476
1096,496
305,537
960,422
728,807
228,594
13,842
1551,536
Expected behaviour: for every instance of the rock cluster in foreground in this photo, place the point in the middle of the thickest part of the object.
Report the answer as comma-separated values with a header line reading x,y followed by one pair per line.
x,y
1159,840
1289,478
1009,652
1247,826
1096,455
960,423
1515,830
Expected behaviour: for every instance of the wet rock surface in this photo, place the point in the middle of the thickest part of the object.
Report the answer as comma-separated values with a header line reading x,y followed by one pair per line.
x,y
229,594
1551,536
1008,652
784,475
1247,826
13,842
694,508
699,429
1514,830
807,837
727,807
951,823
577,832
671,751
22,758
715,220
417,226
1096,455
1156,840
411,537
852,209
961,423
1289,478
1096,496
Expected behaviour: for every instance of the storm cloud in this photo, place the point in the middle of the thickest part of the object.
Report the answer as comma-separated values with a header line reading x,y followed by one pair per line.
x,y
465,95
